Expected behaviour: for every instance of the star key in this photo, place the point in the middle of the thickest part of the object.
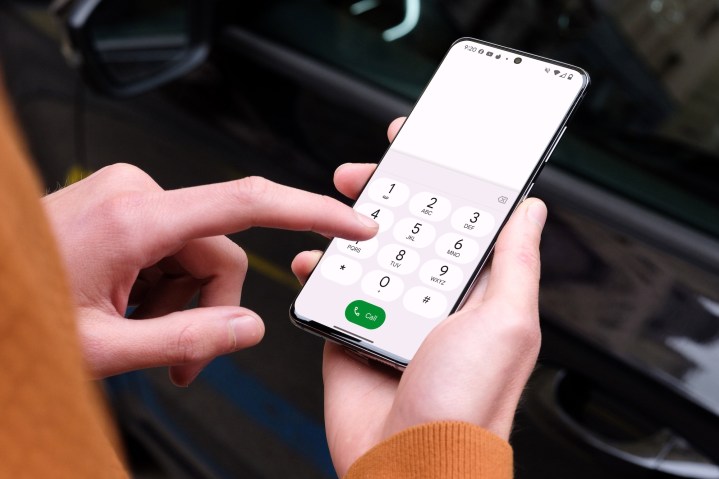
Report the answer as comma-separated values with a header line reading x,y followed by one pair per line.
x,y
340,269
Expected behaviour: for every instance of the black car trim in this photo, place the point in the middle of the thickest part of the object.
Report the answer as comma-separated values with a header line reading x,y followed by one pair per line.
x,y
317,76
629,217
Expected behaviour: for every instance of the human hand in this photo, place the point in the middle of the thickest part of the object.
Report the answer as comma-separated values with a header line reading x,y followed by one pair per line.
x,y
127,242
472,367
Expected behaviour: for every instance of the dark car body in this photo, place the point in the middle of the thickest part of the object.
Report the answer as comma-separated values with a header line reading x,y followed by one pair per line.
x,y
628,381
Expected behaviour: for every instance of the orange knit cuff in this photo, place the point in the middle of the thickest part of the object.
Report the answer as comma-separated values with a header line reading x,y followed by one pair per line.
x,y
445,449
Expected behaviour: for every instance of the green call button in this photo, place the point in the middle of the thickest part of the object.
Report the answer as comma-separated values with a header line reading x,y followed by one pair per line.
x,y
365,314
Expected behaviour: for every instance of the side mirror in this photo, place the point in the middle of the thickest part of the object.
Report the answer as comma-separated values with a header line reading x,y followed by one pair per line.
x,y
127,47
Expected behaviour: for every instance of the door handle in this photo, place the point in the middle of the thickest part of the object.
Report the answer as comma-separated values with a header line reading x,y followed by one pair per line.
x,y
612,428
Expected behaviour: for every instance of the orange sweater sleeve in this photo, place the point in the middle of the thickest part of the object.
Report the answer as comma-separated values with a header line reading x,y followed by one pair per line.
x,y
51,419
437,450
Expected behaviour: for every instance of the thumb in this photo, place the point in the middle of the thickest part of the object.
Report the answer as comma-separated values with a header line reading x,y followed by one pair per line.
x,y
185,337
516,265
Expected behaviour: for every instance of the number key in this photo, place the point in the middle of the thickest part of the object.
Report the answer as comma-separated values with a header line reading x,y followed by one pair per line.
x,y
382,285
388,192
441,275
457,248
398,258
357,249
430,206
412,232
381,214
473,221
425,302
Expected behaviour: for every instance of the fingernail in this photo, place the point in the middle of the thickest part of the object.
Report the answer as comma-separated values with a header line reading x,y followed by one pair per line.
x,y
366,221
537,212
181,381
243,329
192,378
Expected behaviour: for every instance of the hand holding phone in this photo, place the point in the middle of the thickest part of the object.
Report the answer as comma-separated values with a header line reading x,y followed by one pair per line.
x,y
465,158
471,368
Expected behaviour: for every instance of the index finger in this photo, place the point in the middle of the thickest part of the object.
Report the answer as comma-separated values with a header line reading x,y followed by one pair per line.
x,y
224,208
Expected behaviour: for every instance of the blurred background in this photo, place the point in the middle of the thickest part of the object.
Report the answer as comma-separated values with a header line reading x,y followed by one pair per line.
x,y
203,91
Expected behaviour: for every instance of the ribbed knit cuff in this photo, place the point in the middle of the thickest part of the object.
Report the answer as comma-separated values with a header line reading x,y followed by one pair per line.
x,y
444,449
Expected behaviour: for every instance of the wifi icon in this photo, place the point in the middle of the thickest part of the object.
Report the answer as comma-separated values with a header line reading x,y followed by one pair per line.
x,y
556,72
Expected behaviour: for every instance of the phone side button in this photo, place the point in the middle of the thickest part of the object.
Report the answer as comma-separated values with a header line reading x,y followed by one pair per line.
x,y
554,145
526,193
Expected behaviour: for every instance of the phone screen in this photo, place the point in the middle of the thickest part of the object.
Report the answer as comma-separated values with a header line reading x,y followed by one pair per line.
x,y
465,157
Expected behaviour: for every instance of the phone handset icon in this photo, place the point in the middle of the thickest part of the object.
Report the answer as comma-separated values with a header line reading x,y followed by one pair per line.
x,y
357,311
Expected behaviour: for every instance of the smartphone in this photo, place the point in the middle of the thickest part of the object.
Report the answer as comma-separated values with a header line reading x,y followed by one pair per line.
x,y
466,156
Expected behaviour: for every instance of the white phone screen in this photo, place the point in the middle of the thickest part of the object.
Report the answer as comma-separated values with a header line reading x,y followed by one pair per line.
x,y
458,167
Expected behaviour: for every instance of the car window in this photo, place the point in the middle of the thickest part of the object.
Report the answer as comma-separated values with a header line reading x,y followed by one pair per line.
x,y
649,127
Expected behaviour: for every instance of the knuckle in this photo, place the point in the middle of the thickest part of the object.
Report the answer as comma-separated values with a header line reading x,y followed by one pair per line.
x,y
126,175
248,189
127,198
522,330
248,192
239,260
188,347
230,259
517,327
120,214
